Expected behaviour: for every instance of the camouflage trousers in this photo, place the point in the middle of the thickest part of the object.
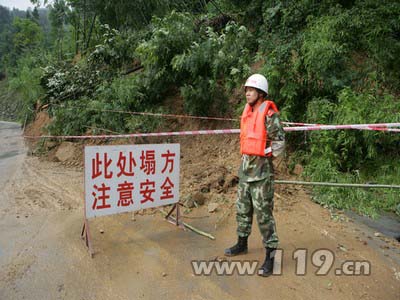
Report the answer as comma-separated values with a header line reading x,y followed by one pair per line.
x,y
257,196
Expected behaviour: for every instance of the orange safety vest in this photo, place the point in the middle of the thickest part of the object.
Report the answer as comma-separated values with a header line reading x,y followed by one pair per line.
x,y
253,132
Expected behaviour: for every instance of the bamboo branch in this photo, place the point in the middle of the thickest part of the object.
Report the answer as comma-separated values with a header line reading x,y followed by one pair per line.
x,y
198,231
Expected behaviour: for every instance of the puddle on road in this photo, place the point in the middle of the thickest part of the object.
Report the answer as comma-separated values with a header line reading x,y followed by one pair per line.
x,y
388,223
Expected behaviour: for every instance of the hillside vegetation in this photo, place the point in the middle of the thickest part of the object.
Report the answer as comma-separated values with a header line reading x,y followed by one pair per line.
x,y
327,62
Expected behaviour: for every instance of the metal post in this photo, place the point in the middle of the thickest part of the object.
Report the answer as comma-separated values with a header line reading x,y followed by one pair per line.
x,y
334,184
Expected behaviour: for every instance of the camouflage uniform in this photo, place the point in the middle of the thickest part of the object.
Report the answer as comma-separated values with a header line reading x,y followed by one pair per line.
x,y
256,188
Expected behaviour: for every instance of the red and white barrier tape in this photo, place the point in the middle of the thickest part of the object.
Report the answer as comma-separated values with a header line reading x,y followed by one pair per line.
x,y
378,127
384,129
175,133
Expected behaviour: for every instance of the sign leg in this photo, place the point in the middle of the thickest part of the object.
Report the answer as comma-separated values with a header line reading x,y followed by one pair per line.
x,y
176,221
85,235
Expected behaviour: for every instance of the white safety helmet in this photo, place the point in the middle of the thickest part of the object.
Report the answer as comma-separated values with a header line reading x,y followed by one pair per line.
x,y
257,81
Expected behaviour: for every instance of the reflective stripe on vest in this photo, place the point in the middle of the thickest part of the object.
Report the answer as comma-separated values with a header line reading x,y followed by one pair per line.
x,y
253,132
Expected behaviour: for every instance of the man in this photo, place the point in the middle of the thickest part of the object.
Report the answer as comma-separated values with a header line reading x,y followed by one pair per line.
x,y
261,138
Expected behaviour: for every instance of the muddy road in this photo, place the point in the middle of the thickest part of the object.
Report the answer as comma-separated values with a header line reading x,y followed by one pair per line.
x,y
43,257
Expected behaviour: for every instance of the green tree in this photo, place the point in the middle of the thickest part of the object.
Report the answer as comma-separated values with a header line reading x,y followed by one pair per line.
x,y
5,34
28,35
138,14
5,17
35,15
58,16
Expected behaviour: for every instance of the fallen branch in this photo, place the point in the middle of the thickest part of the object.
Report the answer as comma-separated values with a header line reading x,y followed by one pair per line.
x,y
200,217
198,231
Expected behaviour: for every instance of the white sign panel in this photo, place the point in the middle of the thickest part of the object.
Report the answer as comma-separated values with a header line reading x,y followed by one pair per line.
x,y
130,177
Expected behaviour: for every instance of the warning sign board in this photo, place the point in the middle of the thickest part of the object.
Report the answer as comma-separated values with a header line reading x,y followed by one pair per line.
x,y
130,177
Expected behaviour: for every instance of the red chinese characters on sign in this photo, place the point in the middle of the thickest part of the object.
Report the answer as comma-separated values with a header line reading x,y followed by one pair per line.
x,y
167,189
148,162
121,178
126,167
125,190
169,161
97,169
102,197
147,188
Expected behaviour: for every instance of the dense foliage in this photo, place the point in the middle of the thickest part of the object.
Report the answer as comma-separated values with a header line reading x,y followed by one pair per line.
x,y
338,64
331,61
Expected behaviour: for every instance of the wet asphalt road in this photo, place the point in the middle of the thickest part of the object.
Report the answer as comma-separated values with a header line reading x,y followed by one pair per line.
x,y
12,149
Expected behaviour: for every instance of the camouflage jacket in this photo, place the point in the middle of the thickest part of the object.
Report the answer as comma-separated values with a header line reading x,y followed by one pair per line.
x,y
255,168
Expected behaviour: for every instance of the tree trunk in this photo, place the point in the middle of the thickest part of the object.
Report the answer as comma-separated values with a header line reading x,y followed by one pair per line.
x,y
90,31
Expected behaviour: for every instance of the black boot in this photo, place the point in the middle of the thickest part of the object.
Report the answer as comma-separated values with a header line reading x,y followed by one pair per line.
x,y
239,248
268,265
